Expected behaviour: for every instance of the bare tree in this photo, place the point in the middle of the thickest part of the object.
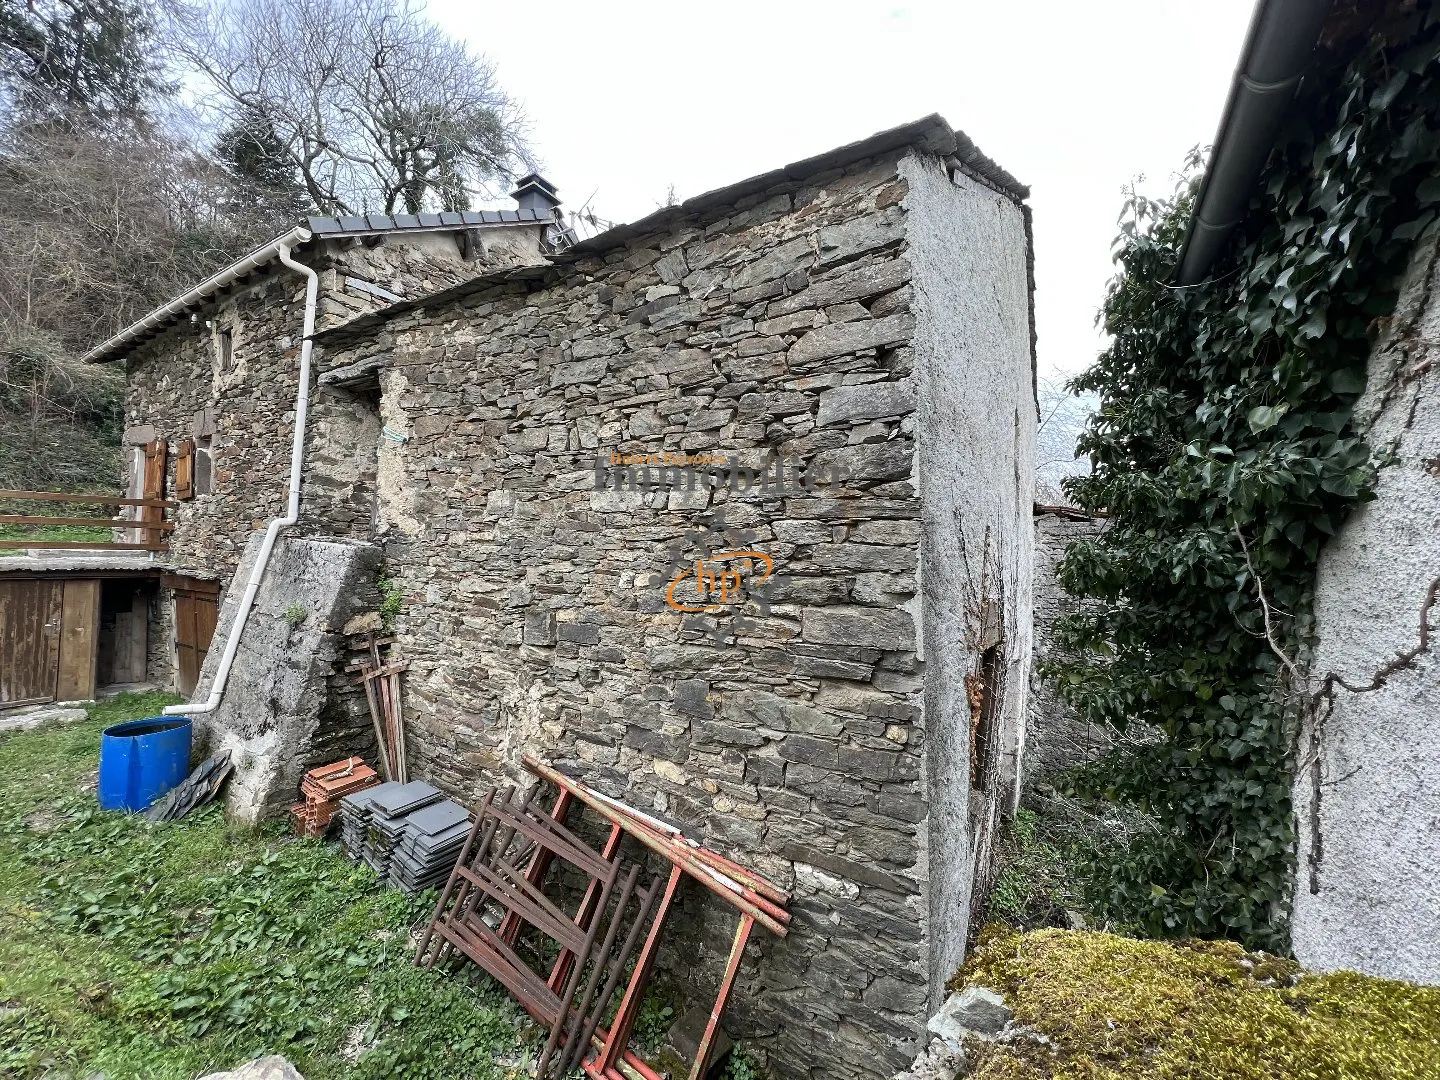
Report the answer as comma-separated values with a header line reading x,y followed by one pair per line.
x,y
374,106
1063,415
98,230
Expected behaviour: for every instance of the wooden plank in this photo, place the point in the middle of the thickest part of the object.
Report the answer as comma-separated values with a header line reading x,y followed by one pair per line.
x,y
207,614
76,545
99,523
186,652
94,500
79,637
197,610
29,640
193,585
132,639
389,669
185,469
156,454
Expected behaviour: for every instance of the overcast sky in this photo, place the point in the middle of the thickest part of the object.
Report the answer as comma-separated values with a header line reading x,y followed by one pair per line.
x,y
1074,97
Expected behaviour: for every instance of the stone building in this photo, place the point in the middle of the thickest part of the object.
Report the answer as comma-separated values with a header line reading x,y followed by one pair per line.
x,y
726,511
1055,738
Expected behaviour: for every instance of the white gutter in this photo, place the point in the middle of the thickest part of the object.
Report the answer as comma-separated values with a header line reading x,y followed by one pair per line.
x,y
207,288
292,510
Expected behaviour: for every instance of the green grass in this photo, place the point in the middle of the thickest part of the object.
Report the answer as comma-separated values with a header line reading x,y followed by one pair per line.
x,y
168,951
54,532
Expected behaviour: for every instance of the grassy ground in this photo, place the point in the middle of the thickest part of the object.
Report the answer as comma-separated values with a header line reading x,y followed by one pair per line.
x,y
1116,1008
167,951
1046,858
54,532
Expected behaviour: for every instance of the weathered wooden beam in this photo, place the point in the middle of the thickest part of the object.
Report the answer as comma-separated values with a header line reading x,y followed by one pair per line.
x,y
99,523
79,545
100,500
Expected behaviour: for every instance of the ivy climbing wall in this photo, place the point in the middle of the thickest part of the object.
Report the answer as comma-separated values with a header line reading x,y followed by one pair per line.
x,y
1230,448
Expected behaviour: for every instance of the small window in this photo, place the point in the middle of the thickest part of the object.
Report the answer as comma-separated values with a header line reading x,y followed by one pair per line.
x,y
225,349
984,716
203,469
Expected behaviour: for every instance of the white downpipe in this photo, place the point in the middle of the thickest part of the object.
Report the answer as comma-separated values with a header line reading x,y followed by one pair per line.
x,y
292,509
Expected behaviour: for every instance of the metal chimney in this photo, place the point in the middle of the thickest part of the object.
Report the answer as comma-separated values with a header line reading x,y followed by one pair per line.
x,y
536,193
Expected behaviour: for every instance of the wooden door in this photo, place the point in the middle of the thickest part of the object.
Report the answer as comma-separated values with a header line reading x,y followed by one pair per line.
x,y
132,638
29,641
197,608
79,640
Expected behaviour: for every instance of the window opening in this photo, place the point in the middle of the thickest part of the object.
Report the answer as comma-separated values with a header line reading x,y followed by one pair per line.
x,y
984,712
225,345
204,466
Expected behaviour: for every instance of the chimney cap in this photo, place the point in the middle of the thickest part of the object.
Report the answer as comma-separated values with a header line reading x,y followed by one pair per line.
x,y
537,183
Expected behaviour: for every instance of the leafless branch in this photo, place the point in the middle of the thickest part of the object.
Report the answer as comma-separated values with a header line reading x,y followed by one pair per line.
x,y
376,107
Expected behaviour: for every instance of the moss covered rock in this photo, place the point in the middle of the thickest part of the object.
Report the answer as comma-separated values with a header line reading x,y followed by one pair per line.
x,y
1116,1007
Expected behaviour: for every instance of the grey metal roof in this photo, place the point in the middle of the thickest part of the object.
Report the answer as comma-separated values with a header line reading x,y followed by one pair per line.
x,y
370,224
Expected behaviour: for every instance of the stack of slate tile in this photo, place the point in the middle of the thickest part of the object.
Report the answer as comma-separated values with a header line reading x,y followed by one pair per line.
x,y
427,849
407,833
324,788
355,817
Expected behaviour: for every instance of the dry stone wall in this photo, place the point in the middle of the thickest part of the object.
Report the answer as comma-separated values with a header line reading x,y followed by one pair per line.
x,y
176,386
367,274
1055,737
788,726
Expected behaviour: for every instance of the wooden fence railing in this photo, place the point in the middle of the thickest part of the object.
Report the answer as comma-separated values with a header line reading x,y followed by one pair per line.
x,y
150,524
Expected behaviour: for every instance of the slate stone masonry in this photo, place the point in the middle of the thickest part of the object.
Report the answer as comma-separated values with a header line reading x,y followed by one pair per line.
x,y
845,715
1055,737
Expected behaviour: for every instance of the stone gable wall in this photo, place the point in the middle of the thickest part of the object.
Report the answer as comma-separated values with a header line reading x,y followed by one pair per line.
x,y
366,274
174,377
535,619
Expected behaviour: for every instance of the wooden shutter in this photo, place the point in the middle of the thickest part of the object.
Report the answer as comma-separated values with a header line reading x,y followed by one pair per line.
x,y
185,470
155,455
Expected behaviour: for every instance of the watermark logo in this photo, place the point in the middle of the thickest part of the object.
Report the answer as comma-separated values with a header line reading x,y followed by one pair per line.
x,y
716,579
695,472
717,575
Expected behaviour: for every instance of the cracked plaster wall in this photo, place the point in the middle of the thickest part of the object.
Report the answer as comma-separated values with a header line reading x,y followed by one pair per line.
x,y
1368,806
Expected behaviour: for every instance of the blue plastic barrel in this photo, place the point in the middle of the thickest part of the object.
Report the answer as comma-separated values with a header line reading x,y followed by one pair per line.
x,y
141,760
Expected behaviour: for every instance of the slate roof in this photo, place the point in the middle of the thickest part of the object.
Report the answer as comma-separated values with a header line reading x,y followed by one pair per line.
x,y
372,224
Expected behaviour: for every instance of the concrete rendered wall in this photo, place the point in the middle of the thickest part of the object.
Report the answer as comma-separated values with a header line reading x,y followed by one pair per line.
x,y
534,618
281,715
975,435
1368,804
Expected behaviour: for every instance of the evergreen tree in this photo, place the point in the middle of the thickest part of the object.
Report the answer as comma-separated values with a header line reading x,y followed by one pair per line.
x,y
78,63
266,183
